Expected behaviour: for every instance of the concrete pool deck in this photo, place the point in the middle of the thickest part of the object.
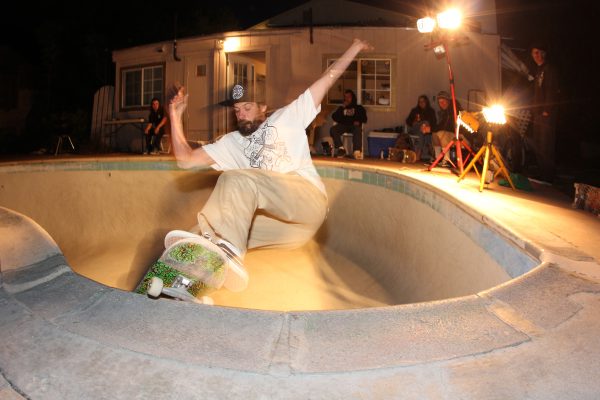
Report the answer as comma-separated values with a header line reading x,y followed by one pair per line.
x,y
537,336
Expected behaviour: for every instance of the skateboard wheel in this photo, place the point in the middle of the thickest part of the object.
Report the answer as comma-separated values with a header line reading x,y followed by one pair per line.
x,y
236,277
155,287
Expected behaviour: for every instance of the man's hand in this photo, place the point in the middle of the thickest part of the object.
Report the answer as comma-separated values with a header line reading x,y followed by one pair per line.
x,y
363,45
178,103
319,89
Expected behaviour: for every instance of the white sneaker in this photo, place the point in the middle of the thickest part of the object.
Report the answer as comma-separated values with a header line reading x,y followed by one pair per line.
x,y
236,278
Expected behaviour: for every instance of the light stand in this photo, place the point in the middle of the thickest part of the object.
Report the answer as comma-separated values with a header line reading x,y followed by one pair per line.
x,y
447,21
456,141
493,117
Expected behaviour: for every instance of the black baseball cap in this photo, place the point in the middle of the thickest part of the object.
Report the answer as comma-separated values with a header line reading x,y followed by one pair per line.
x,y
245,93
444,95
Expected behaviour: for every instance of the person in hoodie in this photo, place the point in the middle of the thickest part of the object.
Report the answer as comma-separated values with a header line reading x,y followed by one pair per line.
x,y
349,118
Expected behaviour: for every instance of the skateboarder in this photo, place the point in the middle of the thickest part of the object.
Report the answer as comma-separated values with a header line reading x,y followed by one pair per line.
x,y
270,194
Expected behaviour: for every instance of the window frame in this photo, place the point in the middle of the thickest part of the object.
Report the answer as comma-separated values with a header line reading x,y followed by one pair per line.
x,y
357,87
123,87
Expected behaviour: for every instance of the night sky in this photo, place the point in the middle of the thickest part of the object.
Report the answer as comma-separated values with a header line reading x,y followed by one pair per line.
x,y
52,37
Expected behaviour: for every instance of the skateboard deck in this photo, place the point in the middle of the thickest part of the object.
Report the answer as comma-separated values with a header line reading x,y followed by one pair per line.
x,y
187,270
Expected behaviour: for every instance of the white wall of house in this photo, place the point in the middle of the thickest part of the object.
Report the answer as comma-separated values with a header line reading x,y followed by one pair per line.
x,y
293,63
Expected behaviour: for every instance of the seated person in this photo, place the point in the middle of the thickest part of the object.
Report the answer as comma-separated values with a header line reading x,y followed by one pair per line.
x,y
444,131
157,119
322,142
349,117
419,122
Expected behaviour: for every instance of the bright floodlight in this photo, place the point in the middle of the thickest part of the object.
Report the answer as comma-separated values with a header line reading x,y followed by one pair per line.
x,y
450,19
426,25
494,114
231,44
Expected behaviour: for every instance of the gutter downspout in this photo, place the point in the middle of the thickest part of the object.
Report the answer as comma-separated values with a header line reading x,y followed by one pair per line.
x,y
175,56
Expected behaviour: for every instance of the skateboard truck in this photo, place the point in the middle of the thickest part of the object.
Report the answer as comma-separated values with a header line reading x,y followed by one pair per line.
x,y
177,290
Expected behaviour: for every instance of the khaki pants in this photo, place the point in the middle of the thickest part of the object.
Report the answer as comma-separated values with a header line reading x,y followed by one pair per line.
x,y
253,208
442,138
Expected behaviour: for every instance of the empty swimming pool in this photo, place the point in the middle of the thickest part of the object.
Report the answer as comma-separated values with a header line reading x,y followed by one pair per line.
x,y
388,239
68,337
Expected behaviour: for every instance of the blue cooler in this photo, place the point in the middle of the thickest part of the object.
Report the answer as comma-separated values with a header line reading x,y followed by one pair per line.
x,y
378,141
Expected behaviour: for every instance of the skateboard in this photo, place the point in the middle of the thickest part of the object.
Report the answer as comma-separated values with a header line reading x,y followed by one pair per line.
x,y
187,270
190,267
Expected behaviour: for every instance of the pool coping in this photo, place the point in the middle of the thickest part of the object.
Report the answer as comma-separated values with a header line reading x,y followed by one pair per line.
x,y
278,345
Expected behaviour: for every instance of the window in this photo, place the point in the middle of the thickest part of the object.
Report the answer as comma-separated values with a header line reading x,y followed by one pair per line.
x,y
140,85
375,78
369,78
243,74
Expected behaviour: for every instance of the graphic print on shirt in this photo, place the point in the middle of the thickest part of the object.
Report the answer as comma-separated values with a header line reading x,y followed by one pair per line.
x,y
263,151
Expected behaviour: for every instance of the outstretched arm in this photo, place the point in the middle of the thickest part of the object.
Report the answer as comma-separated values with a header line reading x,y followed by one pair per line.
x,y
319,89
185,155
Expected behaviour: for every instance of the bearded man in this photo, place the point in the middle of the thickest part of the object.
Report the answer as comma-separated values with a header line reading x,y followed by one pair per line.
x,y
270,194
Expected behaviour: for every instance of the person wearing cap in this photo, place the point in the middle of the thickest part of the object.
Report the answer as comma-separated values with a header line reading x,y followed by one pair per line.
x,y
269,194
544,110
349,118
445,129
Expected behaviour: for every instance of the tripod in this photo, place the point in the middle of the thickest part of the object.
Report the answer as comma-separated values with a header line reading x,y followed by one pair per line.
x,y
456,141
485,151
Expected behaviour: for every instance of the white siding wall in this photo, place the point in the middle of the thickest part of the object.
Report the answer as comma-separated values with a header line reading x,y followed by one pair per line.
x,y
292,64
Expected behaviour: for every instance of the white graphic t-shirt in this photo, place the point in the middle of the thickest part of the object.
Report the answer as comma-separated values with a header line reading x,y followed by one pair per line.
x,y
279,144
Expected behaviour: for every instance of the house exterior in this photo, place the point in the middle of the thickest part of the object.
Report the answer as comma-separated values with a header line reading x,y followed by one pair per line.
x,y
387,80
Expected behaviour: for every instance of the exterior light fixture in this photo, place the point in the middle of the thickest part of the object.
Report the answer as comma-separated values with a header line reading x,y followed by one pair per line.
x,y
426,25
231,44
450,19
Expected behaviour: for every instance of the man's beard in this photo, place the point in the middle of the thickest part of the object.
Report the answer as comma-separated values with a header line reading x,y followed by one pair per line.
x,y
246,128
